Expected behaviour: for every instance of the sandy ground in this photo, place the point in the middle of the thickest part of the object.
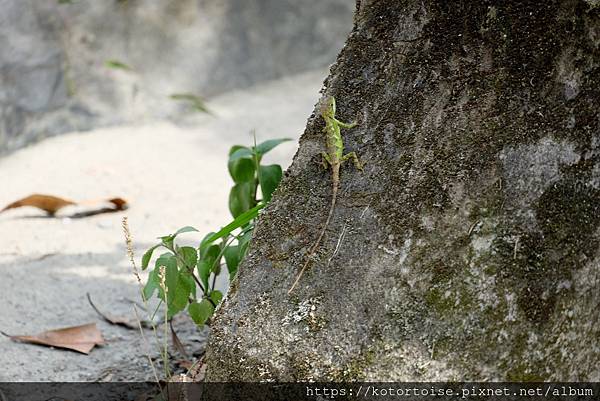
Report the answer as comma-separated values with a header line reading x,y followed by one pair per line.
x,y
173,175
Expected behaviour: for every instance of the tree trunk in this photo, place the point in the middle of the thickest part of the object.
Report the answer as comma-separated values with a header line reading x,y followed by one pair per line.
x,y
469,247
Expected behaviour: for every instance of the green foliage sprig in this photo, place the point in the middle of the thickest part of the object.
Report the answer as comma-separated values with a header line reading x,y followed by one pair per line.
x,y
191,273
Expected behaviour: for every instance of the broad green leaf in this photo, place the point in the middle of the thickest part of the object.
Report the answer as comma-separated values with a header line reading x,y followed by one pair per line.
x,y
152,284
167,240
216,296
179,284
241,164
216,268
270,176
240,152
242,198
234,148
206,263
179,292
238,222
266,146
189,256
242,170
201,311
167,259
185,229
116,64
232,259
204,244
194,100
204,272
147,256
187,276
169,262
211,256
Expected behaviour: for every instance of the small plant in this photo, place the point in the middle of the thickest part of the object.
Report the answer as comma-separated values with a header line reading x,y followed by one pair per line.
x,y
190,273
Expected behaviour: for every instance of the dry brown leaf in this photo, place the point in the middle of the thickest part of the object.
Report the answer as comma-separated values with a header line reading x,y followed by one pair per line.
x,y
120,203
117,321
198,372
184,363
50,204
78,338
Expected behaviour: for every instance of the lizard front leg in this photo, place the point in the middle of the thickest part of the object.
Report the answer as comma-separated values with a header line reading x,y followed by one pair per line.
x,y
354,157
346,125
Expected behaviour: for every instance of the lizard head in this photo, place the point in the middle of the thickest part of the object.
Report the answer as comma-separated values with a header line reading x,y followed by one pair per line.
x,y
327,106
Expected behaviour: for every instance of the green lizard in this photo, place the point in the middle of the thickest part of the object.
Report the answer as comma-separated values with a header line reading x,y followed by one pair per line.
x,y
334,157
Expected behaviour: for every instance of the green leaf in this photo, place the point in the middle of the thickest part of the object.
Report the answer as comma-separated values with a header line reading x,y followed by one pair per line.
x,y
147,256
239,152
204,244
185,229
169,262
179,284
238,222
207,262
195,101
167,241
244,243
270,176
232,259
266,146
201,311
211,256
241,164
189,256
118,65
242,198
179,292
152,284
234,148
242,170
167,259
216,296
190,282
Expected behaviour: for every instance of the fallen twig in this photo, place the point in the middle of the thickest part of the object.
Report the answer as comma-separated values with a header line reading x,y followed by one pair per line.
x,y
176,342
112,320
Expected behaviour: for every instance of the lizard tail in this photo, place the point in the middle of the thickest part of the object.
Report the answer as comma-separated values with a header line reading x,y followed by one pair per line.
x,y
318,241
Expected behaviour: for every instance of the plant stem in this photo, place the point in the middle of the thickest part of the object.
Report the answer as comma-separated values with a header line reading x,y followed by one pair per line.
x,y
257,166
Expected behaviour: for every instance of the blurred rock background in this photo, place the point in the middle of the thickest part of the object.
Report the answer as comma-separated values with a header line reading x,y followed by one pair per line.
x,y
54,76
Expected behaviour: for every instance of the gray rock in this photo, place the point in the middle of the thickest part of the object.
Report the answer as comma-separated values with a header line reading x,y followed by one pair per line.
x,y
468,249
54,77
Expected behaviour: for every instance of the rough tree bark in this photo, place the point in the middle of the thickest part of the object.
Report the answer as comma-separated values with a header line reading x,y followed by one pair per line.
x,y
469,247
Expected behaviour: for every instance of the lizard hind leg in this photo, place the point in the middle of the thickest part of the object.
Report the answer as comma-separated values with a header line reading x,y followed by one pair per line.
x,y
354,157
325,161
